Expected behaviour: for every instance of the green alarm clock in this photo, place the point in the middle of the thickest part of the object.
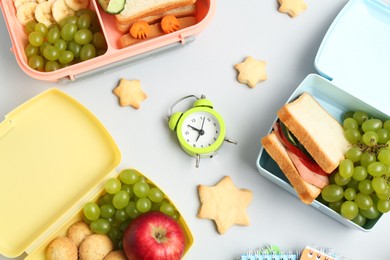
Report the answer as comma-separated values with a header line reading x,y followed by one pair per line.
x,y
200,130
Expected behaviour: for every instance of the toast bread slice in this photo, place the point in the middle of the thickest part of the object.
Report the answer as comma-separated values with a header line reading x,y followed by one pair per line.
x,y
137,9
188,10
306,192
318,131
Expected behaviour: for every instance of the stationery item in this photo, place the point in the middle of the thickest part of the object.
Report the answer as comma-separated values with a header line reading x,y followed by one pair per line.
x,y
319,253
270,253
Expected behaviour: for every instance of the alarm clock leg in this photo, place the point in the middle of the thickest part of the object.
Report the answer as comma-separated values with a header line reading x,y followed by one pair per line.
x,y
230,141
197,161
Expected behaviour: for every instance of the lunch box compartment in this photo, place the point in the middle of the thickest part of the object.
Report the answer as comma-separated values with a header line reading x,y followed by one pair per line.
x,y
353,62
55,156
114,56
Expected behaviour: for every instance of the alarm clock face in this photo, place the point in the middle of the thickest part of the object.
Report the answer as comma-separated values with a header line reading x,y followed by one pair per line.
x,y
200,129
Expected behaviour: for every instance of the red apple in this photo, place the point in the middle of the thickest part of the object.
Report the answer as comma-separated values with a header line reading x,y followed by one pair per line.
x,y
153,236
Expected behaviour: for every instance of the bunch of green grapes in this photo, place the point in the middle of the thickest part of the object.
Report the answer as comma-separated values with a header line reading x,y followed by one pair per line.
x,y
360,189
124,199
76,38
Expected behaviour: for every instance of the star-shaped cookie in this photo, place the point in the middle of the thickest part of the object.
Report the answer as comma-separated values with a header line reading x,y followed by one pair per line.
x,y
292,7
130,93
251,71
225,204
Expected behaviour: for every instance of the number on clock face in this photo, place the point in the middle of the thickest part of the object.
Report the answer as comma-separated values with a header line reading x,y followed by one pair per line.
x,y
200,129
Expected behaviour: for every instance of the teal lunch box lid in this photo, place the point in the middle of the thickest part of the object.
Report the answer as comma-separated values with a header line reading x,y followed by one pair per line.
x,y
355,52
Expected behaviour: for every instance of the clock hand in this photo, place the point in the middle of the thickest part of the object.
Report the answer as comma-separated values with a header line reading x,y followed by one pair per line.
x,y
194,128
201,131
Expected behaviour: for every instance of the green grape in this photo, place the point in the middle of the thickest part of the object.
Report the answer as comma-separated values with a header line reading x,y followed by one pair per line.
x,y
379,185
99,41
332,193
349,193
51,66
131,210
348,114
386,124
87,52
121,199
377,169
384,157
71,19
129,189
30,27
167,209
51,53
75,48
350,123
54,25
371,213
105,199
363,201
112,186
176,216
141,189
35,38
143,205
352,135
66,57
60,44
83,36
383,206
365,187
91,211
84,21
385,195
115,234
107,211
121,215
156,195
353,184
383,135
336,206
53,35
40,27
68,31
128,176
359,173
359,220
30,51
36,62
346,168
354,154
360,117
43,47
100,52
340,180
372,124
370,138
367,158
349,210
100,226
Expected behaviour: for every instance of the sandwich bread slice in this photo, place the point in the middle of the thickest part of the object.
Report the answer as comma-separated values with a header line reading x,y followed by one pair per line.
x,y
183,11
319,132
137,9
306,192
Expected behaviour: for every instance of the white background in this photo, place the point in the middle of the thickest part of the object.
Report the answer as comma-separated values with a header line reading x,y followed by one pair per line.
x,y
239,29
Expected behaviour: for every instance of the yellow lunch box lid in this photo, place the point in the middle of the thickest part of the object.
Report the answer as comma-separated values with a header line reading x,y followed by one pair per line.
x,y
54,156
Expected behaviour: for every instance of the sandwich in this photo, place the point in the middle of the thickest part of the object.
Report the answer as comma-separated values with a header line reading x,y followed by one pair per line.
x,y
308,144
179,12
135,10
